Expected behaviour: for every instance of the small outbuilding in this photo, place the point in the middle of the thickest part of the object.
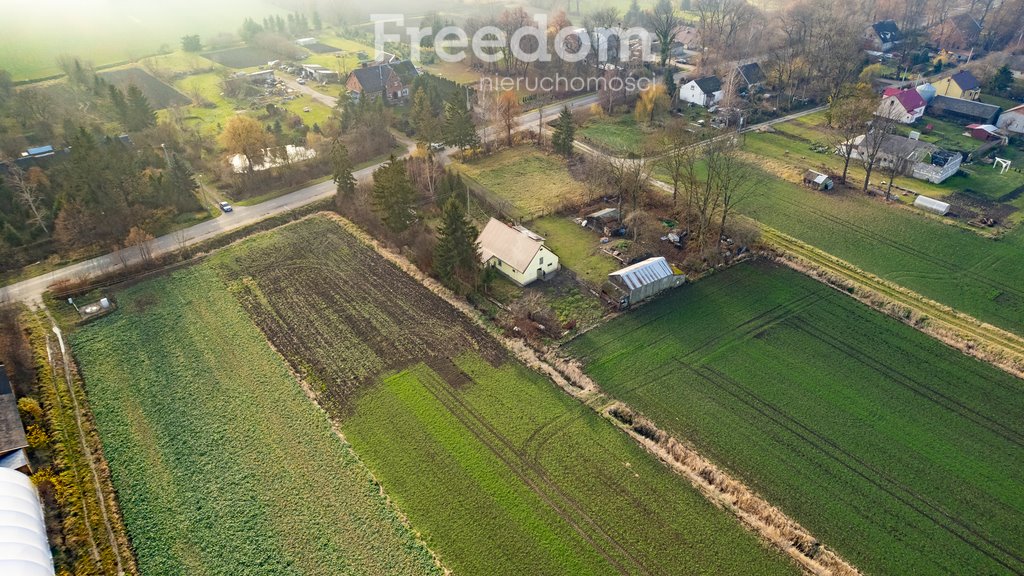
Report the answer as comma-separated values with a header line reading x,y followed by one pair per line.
x,y
24,548
818,181
12,431
932,205
516,252
641,281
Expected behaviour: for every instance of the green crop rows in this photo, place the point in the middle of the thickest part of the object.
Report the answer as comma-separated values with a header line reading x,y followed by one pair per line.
x,y
899,452
221,464
973,274
499,470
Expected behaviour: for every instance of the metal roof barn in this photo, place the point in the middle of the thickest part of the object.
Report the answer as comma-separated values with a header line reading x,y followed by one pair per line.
x,y
644,280
24,549
932,205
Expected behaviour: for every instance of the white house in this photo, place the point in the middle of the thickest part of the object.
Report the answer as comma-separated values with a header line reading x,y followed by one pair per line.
x,y
1013,120
904,106
516,252
704,92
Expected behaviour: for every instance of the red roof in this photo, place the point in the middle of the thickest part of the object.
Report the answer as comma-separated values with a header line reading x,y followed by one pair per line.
x,y
891,91
909,99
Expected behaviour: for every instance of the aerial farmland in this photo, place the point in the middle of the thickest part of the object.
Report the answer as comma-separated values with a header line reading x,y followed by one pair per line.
x,y
452,287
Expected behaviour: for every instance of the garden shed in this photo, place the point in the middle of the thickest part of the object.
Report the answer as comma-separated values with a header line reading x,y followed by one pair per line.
x,y
643,280
932,205
12,432
24,549
818,181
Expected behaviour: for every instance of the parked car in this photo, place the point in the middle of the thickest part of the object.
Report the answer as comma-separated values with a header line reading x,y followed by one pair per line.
x,y
301,80
224,206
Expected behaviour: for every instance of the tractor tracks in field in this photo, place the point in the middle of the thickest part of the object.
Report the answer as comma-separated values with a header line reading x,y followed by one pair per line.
x,y
533,475
902,493
984,341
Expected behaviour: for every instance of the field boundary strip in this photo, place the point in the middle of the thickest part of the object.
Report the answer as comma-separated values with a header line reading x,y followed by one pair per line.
x,y
956,329
754,512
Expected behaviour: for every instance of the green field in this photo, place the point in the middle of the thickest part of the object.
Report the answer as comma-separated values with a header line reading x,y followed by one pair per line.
x,y
957,267
899,452
221,463
620,135
499,470
106,32
525,181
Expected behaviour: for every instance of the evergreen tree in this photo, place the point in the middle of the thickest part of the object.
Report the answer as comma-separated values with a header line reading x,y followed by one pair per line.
x,y
670,83
456,257
317,22
182,186
140,114
451,187
1001,81
393,195
341,168
120,105
565,133
634,14
459,130
424,120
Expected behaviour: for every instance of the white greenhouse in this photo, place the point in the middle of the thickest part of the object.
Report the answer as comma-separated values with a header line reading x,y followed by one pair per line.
x,y
24,549
932,205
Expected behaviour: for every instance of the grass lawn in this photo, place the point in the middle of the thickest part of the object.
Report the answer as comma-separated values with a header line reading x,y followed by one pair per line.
x,y
454,71
578,248
523,181
1004,103
899,452
619,134
790,154
105,32
221,463
499,470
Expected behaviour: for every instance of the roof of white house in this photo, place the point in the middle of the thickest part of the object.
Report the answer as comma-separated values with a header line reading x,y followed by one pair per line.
x,y
515,246
24,549
643,273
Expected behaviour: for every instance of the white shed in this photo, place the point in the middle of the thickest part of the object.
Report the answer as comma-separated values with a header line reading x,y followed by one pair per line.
x,y
24,549
932,205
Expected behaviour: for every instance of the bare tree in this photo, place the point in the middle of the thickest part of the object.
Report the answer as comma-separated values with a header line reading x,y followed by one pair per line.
x,y
848,117
27,190
874,144
509,110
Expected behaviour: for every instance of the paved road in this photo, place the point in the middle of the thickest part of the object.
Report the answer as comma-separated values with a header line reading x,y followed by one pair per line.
x,y
31,290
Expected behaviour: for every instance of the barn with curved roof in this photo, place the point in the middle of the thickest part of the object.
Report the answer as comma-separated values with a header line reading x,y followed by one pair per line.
x,y
24,549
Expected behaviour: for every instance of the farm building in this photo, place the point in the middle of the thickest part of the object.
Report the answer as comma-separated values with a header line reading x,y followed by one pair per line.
x,y
516,252
1013,120
603,221
12,432
963,110
932,205
704,92
750,75
962,85
904,106
263,77
306,41
883,35
818,181
985,133
643,280
319,73
919,160
959,32
24,548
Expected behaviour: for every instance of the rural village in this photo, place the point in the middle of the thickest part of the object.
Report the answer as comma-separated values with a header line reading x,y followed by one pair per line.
x,y
325,287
